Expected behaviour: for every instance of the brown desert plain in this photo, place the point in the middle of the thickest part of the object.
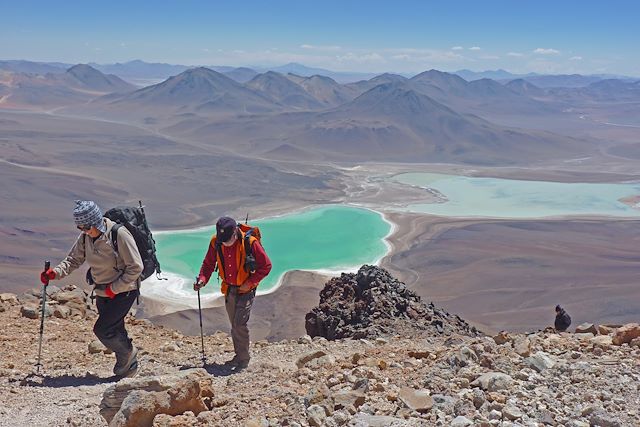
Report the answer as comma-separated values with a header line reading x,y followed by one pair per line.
x,y
193,160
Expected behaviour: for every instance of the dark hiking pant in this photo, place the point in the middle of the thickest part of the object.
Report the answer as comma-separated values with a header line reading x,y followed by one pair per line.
x,y
109,327
239,308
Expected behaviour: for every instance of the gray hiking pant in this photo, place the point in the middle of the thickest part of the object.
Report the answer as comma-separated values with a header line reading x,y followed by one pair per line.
x,y
239,308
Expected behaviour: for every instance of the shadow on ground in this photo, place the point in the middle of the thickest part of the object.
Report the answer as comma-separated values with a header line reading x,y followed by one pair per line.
x,y
67,380
215,369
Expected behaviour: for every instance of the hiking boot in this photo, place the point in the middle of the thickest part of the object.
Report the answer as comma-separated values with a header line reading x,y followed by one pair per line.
x,y
125,363
232,362
133,370
241,364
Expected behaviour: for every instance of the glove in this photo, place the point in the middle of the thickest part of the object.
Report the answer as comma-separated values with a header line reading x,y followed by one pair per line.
x,y
109,292
199,284
245,287
45,276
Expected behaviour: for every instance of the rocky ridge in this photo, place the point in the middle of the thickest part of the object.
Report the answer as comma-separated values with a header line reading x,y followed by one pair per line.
x,y
371,303
544,378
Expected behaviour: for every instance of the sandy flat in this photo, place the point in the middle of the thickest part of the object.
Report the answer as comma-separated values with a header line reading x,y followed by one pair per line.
x,y
498,274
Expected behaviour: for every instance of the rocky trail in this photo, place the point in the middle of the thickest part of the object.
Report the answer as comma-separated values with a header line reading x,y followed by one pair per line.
x,y
429,368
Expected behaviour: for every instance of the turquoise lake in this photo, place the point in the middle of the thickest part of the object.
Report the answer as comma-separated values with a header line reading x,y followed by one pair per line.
x,y
506,198
326,238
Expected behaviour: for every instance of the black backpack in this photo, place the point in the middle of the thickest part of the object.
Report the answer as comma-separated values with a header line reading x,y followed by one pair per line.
x,y
134,220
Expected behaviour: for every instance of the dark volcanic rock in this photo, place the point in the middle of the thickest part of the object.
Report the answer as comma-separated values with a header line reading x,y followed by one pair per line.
x,y
372,303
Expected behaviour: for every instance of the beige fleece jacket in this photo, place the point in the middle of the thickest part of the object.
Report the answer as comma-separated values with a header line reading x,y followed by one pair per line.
x,y
121,269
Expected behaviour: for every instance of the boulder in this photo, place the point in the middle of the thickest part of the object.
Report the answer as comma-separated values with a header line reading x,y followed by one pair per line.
x,y
540,361
308,357
417,400
61,311
607,329
317,395
9,298
75,296
366,420
29,311
522,346
345,399
502,337
603,341
156,394
256,422
419,354
512,413
140,407
461,421
601,418
169,347
30,296
188,419
305,339
316,415
319,362
626,333
586,328
493,381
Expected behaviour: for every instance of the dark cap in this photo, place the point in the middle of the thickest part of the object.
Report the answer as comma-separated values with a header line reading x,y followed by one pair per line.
x,y
225,228
558,308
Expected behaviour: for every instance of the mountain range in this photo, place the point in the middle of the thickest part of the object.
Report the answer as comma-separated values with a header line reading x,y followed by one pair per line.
x,y
137,70
78,83
432,116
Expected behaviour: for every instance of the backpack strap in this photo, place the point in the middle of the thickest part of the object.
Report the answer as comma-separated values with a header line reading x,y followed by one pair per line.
x,y
114,236
114,241
220,261
250,260
247,242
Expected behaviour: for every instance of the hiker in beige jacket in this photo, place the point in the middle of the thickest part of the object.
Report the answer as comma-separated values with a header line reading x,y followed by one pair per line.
x,y
113,274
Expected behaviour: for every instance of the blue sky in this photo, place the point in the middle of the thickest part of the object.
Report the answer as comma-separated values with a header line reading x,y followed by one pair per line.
x,y
371,36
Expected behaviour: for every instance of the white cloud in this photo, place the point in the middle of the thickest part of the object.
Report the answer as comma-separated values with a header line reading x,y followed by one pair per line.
x,y
489,57
457,48
399,59
422,55
360,58
474,48
575,58
515,54
317,47
543,51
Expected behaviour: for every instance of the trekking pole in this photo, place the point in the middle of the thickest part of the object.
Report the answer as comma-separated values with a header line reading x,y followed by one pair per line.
x,y
47,264
204,359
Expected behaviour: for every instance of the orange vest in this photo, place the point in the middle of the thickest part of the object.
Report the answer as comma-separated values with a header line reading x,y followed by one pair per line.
x,y
241,254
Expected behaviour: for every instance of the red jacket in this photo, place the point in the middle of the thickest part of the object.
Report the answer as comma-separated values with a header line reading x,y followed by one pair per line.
x,y
233,273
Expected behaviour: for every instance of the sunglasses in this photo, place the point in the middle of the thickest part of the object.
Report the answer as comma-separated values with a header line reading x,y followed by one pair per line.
x,y
84,227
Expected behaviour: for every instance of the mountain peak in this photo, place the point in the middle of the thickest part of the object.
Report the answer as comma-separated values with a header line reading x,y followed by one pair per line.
x,y
397,98
88,77
82,69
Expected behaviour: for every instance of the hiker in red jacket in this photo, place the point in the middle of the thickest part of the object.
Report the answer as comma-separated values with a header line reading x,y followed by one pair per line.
x,y
240,275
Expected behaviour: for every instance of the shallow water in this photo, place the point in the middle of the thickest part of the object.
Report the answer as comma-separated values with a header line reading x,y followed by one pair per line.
x,y
327,238
507,198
